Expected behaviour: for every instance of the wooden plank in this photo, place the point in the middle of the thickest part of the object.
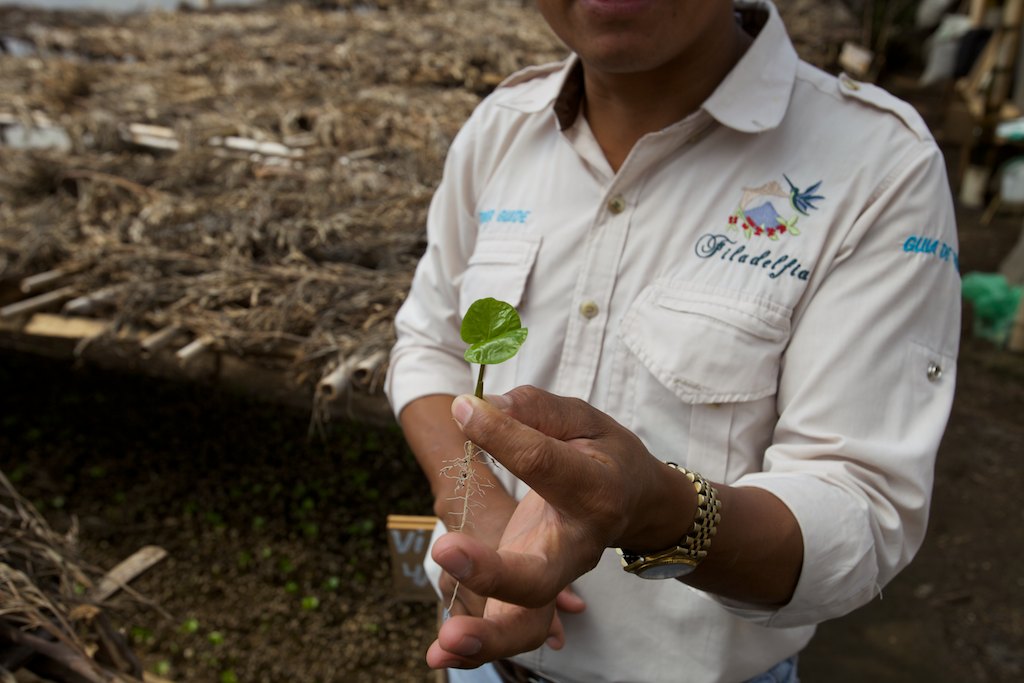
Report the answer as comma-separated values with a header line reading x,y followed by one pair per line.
x,y
414,521
977,12
65,327
61,337
126,571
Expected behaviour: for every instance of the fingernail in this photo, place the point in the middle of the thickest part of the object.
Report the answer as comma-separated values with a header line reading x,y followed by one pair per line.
x,y
554,643
462,410
499,401
467,647
456,563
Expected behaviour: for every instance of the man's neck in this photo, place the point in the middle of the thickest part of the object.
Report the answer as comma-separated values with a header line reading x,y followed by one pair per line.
x,y
622,108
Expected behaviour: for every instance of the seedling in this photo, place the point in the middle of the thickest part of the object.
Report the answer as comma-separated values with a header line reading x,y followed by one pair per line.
x,y
243,559
494,333
141,635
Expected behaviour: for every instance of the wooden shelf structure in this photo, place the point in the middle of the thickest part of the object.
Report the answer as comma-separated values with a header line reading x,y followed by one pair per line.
x,y
987,90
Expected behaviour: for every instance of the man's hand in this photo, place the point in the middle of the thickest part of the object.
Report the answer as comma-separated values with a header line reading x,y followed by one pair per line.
x,y
592,482
595,486
436,439
486,525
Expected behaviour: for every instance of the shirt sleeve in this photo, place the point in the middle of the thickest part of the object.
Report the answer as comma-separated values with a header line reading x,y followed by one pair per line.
x,y
865,391
427,356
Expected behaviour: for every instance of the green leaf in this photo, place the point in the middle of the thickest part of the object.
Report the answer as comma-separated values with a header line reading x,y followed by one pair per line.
x,y
493,331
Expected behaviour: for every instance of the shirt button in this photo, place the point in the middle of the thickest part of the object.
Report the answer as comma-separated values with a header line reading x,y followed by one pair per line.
x,y
617,204
588,309
934,372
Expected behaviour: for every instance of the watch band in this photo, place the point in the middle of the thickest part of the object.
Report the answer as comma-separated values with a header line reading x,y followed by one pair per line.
x,y
694,546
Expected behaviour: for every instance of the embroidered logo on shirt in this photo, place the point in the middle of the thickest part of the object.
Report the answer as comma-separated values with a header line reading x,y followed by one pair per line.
x,y
919,244
770,263
503,216
757,215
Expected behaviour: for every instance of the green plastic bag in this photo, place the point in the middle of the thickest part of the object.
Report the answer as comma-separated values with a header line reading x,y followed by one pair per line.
x,y
995,304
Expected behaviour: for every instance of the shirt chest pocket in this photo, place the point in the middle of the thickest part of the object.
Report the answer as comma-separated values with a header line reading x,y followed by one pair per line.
x,y
499,268
701,364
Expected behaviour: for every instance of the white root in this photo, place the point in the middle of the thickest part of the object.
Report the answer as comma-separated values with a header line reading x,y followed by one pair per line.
x,y
467,487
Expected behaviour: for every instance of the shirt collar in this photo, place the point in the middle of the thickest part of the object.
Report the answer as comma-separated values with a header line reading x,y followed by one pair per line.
x,y
752,98
755,95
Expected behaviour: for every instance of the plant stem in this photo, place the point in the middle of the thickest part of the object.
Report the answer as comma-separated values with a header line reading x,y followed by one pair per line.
x,y
480,382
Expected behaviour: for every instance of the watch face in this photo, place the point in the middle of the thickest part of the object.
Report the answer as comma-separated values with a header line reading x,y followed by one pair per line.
x,y
665,571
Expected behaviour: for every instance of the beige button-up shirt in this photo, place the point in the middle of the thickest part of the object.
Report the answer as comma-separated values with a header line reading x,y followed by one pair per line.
x,y
766,292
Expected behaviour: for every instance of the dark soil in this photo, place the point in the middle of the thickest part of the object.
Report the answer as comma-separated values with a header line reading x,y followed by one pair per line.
x,y
278,564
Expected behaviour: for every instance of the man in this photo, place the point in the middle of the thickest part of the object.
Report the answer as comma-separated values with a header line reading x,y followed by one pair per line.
x,y
727,260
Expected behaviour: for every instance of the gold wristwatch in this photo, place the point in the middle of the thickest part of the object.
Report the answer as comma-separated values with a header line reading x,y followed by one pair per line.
x,y
682,558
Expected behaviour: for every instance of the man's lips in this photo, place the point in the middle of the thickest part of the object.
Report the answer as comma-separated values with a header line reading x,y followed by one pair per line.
x,y
616,9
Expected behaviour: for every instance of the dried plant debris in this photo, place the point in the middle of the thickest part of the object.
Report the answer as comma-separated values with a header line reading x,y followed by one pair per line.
x,y
48,624
257,176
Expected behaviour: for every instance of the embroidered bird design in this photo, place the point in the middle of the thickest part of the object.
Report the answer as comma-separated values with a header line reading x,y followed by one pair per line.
x,y
802,201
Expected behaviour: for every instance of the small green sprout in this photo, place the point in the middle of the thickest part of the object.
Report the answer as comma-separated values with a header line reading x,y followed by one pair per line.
x,y
141,635
244,559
